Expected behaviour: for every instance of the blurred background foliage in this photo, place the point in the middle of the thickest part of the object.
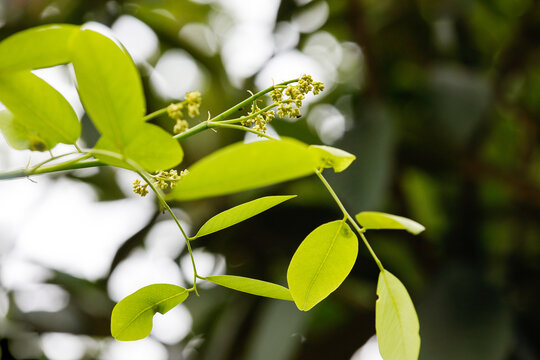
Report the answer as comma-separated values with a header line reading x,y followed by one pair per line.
x,y
439,100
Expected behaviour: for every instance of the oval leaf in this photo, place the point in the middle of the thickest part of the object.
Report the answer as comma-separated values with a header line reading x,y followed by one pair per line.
x,y
321,263
17,135
372,220
109,86
240,213
36,48
332,157
154,149
151,148
242,166
396,321
132,317
252,286
39,109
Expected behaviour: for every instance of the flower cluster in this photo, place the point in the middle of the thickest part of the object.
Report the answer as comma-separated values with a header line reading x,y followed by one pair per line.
x,y
288,100
176,111
141,189
295,94
193,101
163,179
260,120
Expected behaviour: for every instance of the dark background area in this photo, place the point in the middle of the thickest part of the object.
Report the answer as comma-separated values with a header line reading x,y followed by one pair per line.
x,y
442,108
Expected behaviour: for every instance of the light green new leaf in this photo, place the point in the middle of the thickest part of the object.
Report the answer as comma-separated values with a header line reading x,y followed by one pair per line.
x,y
109,86
151,148
242,166
36,48
18,136
372,220
332,157
252,286
154,149
132,317
240,213
396,321
321,263
39,110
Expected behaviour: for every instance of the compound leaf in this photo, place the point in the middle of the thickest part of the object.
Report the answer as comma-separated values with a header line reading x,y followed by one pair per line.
x,y
109,86
132,317
332,157
396,321
240,213
321,263
36,48
252,286
38,110
372,220
242,166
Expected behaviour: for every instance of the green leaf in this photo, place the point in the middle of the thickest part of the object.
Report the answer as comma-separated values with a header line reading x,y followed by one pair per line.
x,y
112,94
151,148
396,321
36,48
372,220
240,213
154,149
252,286
242,166
18,136
332,157
109,86
38,110
132,317
321,263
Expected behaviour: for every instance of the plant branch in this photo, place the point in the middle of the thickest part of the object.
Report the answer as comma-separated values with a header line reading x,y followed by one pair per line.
x,y
242,128
38,170
159,194
243,118
192,131
166,206
156,113
249,100
79,164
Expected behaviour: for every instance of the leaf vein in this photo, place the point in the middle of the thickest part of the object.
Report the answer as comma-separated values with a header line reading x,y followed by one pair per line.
x,y
394,304
148,308
314,278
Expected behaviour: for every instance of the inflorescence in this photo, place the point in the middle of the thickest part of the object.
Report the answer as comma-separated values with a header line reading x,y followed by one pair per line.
x,y
163,179
260,120
288,101
176,111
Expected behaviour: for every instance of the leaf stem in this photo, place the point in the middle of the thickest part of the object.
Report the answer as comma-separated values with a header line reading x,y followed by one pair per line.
x,y
350,218
192,131
155,114
165,205
144,175
239,127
